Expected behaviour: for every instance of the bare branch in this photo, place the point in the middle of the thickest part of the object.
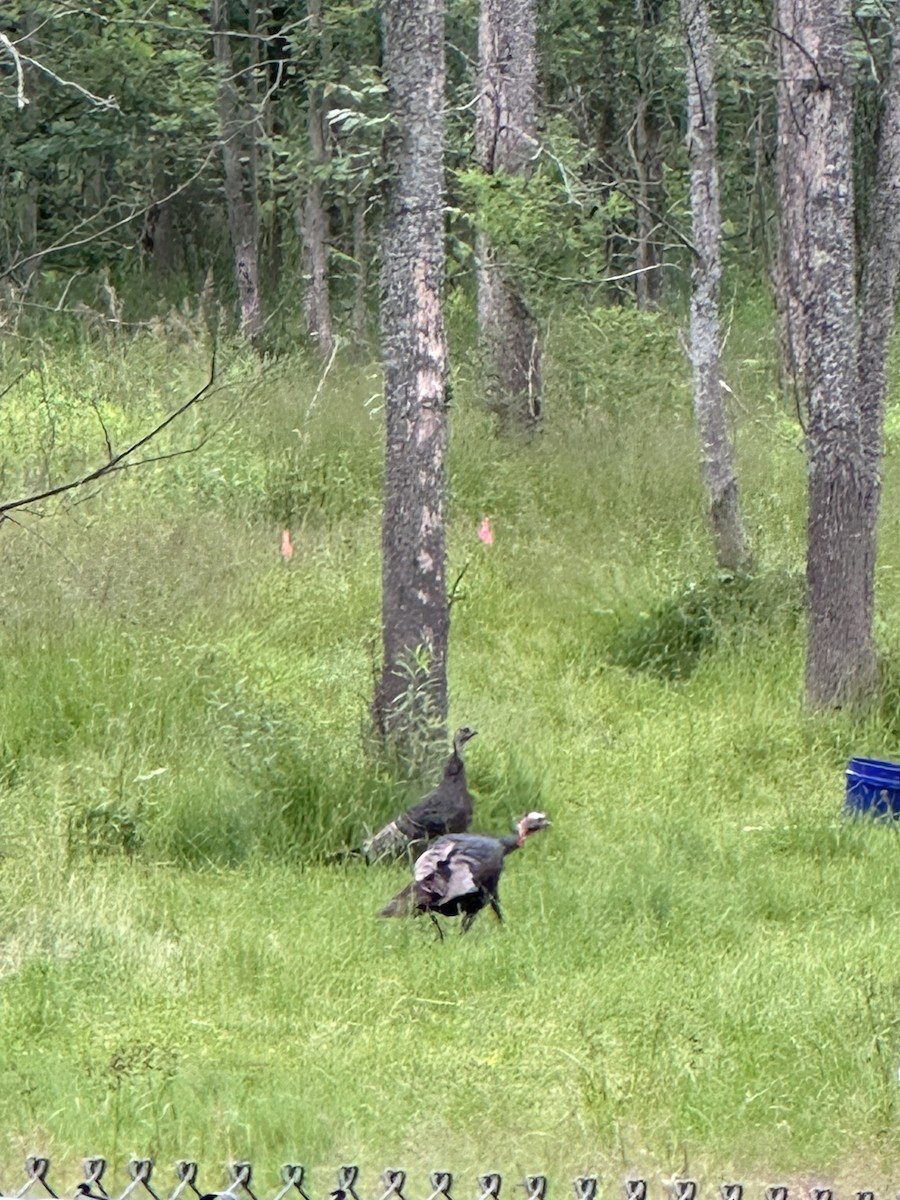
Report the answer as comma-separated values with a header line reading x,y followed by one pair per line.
x,y
106,437
115,462
324,376
110,102
21,98
789,37
18,379
59,307
454,593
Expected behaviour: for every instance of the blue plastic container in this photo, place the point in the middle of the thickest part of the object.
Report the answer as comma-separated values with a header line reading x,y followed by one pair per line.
x,y
873,787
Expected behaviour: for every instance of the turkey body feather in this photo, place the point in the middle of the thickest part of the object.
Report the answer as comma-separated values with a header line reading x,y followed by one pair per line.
x,y
460,874
447,809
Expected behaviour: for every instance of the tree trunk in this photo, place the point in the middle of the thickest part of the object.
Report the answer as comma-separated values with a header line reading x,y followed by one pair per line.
x,y
158,239
314,218
30,258
878,306
238,134
881,267
818,263
505,140
410,705
648,161
360,316
789,302
314,240
729,536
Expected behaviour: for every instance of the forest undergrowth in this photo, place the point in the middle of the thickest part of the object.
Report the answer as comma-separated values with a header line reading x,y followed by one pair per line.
x,y
699,974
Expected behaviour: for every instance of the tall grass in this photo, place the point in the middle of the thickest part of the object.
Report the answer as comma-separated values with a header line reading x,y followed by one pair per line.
x,y
699,970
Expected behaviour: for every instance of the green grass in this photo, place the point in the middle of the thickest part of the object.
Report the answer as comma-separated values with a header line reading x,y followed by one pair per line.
x,y
699,971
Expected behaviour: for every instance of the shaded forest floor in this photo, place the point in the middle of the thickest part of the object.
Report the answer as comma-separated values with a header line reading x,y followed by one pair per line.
x,y
700,969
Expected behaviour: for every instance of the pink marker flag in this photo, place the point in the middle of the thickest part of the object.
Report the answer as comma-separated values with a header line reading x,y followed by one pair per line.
x,y
485,532
287,546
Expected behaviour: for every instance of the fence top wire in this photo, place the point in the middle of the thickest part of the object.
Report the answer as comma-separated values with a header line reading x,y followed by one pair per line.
x,y
239,1185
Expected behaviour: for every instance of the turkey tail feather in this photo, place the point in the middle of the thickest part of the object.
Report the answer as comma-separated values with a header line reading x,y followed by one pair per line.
x,y
389,842
401,905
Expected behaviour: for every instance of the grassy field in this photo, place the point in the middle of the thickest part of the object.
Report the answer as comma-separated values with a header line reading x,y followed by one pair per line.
x,y
700,970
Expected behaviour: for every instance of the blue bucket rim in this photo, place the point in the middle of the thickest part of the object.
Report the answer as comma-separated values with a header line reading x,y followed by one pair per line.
x,y
877,763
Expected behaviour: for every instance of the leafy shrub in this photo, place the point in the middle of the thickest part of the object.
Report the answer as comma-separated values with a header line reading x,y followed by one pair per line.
x,y
669,639
298,486
549,227
611,357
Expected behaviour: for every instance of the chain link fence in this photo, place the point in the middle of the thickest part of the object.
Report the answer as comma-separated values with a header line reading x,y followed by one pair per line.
x,y
145,1184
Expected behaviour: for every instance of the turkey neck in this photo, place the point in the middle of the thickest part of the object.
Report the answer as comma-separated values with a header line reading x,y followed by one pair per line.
x,y
455,766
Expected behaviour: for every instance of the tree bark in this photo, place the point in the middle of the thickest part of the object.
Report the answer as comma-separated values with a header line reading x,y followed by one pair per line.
x,y
410,704
790,303
879,285
819,271
648,161
717,459
158,236
505,140
238,135
881,267
314,218
360,315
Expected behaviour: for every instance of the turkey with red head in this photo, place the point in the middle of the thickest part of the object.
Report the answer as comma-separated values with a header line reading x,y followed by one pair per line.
x,y
460,874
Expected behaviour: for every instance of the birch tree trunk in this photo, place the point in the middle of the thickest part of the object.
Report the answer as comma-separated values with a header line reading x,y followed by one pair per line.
x,y
410,705
313,218
818,271
505,129
238,138
717,459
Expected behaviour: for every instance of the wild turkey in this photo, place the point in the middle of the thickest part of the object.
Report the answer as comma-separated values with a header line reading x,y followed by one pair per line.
x,y
448,809
460,874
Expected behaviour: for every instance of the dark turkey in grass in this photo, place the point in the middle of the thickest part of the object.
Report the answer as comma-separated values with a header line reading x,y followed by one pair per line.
x,y
448,809
460,874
